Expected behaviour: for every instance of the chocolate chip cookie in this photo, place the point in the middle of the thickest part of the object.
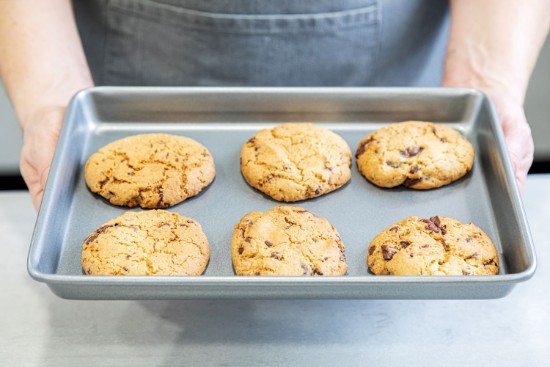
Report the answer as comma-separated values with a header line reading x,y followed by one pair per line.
x,y
150,170
153,242
296,161
432,246
419,155
287,240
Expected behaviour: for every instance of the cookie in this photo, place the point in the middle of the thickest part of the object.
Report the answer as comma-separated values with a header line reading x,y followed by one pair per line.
x,y
153,242
149,170
287,240
296,161
433,246
416,154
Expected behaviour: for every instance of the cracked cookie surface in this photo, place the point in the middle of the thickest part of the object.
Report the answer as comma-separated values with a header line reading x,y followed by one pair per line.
x,y
287,240
149,170
153,242
432,246
416,154
296,161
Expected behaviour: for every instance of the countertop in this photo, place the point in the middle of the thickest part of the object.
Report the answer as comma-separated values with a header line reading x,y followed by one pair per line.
x,y
39,329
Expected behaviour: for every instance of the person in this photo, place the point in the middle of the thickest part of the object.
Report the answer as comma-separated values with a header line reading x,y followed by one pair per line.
x,y
46,57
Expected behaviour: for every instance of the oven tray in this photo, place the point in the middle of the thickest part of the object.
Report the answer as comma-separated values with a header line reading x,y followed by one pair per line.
x,y
223,119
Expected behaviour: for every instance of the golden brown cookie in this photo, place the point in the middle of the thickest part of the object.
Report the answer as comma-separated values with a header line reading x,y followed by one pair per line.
x,y
287,240
153,242
149,170
433,246
416,154
296,161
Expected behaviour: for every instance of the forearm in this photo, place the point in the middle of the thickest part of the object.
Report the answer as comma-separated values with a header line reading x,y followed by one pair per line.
x,y
42,62
494,44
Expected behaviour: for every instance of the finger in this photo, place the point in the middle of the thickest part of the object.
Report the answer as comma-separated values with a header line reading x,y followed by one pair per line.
x,y
33,183
38,149
519,142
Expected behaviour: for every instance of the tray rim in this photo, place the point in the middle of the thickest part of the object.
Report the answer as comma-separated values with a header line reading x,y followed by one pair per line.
x,y
214,281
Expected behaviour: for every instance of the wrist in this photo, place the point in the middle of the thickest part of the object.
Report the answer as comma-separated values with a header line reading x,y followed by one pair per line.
x,y
486,76
52,95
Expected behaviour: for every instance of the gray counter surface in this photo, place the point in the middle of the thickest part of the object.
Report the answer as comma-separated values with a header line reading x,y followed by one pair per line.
x,y
39,329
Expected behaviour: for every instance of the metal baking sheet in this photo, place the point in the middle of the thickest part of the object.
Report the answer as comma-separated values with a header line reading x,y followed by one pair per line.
x,y
223,119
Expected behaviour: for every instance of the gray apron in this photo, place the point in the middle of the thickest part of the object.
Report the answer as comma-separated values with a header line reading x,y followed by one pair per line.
x,y
264,42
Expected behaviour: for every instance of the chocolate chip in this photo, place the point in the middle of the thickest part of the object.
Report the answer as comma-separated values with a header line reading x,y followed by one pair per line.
x,y
394,229
404,244
102,183
249,223
469,239
307,269
97,232
317,272
125,268
362,146
131,173
161,198
128,257
434,224
443,140
411,181
251,140
414,169
371,250
388,252
411,151
257,273
204,153
393,164
183,225
91,237
268,244
276,255
425,246
489,262
241,250
317,191
248,239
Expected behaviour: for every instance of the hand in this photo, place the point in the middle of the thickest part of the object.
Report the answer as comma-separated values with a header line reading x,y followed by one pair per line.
x,y
517,133
40,135
516,130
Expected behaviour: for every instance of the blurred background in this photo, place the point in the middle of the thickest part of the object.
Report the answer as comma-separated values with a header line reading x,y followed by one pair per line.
x,y
537,109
